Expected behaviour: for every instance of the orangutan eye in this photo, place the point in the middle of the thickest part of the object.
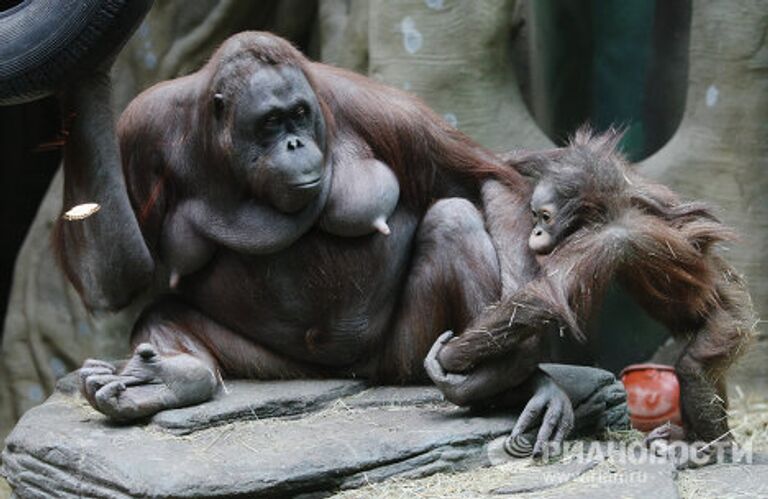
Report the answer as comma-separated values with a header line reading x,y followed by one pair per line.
x,y
300,111
546,217
272,120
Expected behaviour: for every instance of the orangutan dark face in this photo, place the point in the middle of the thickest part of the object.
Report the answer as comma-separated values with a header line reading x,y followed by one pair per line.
x,y
278,137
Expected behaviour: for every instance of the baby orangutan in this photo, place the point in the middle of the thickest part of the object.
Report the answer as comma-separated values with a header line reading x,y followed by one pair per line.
x,y
588,205
596,221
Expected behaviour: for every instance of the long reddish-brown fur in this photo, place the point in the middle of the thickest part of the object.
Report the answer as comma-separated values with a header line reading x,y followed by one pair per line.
x,y
400,130
660,248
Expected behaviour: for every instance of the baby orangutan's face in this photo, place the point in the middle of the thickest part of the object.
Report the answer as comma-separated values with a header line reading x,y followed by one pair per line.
x,y
548,229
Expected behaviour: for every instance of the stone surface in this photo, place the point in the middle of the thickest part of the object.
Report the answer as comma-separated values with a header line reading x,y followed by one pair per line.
x,y
64,447
725,480
246,401
594,480
265,439
554,476
609,480
587,469
592,469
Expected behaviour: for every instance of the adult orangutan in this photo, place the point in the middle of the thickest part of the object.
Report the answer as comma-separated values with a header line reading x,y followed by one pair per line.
x,y
261,185
256,186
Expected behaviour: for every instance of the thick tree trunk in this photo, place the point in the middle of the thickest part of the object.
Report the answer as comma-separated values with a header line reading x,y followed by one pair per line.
x,y
457,56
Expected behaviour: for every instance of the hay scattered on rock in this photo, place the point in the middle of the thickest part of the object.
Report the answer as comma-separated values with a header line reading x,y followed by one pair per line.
x,y
748,418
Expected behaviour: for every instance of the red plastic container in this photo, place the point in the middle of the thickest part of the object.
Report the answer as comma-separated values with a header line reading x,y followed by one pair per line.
x,y
653,395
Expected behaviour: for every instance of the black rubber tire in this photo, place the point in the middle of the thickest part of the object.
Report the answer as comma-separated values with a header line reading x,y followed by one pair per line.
x,y
47,44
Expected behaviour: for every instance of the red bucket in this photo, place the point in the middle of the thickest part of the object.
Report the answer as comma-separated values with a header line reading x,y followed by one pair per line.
x,y
653,395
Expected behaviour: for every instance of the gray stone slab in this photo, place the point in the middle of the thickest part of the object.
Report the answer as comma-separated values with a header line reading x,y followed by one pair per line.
x,y
246,400
66,449
608,474
631,481
385,396
258,439
547,477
